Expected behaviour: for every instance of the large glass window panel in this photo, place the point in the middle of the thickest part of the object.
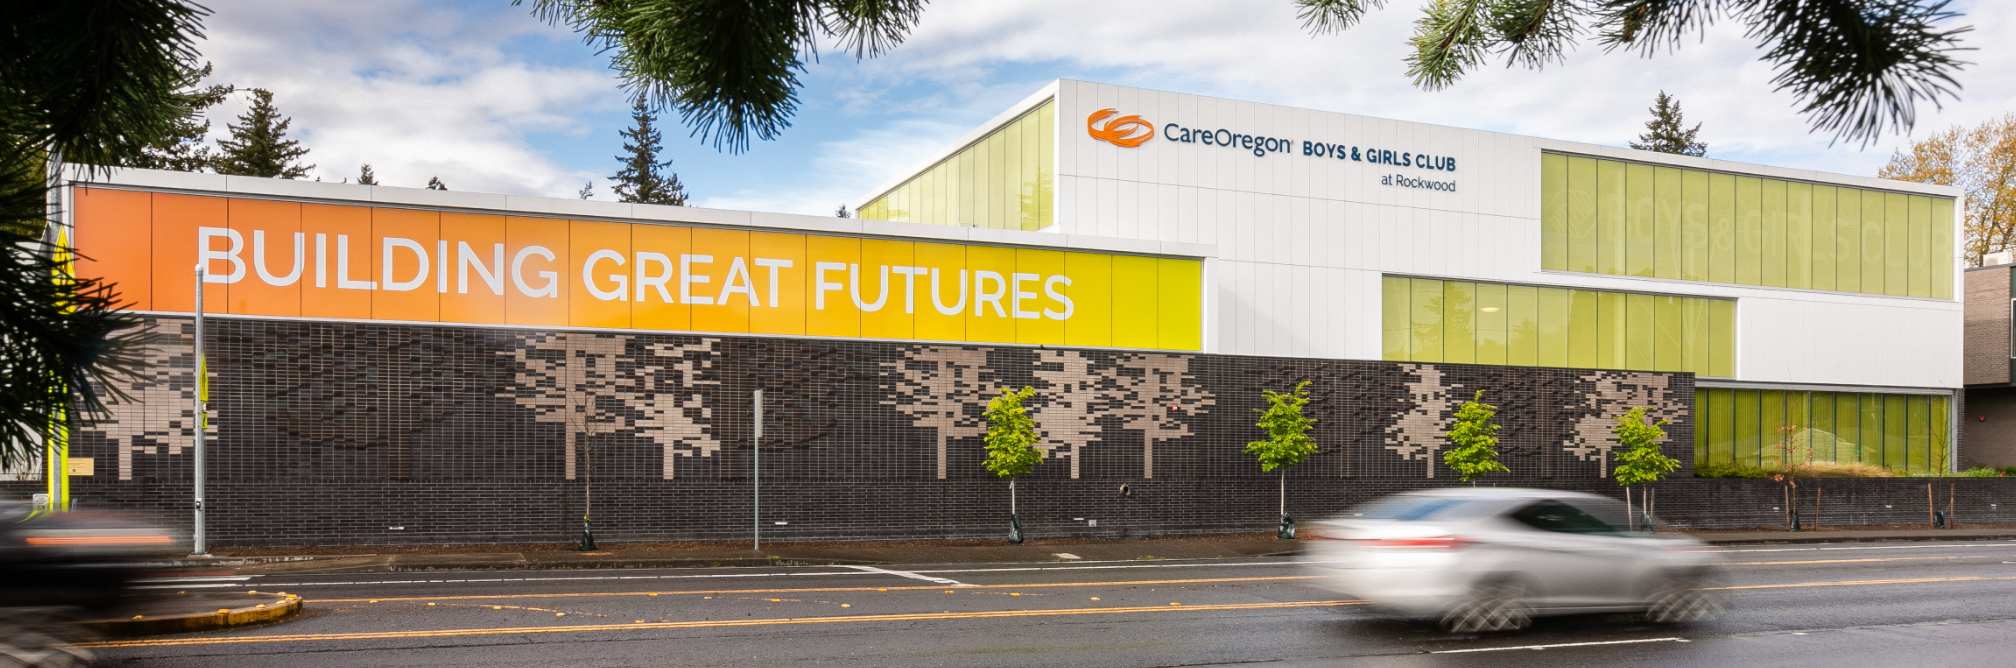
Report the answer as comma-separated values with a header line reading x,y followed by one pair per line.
x,y
1873,242
1612,235
1797,423
1942,433
1721,427
1522,326
1003,181
1872,429
1820,435
1942,248
1722,338
1823,237
1426,343
1395,298
1046,164
1799,235
1749,231
1920,266
1772,435
1459,322
1582,317
1582,236
1847,427
1669,350
1554,337
1848,240
1554,212
1640,219
1695,331
1721,228
1641,333
1667,245
1772,244
1918,434
1748,448
1895,427
1694,225
1897,244
1491,318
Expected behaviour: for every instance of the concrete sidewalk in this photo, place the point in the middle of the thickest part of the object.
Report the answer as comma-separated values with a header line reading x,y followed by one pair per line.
x,y
515,557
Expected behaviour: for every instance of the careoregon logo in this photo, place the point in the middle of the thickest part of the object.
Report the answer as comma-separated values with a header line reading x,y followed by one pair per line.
x,y
1119,131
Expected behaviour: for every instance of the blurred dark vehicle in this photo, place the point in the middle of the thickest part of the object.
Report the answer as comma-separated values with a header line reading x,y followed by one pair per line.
x,y
1492,559
60,568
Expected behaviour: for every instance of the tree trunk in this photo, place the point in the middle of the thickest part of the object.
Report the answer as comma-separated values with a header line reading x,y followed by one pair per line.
x,y
1284,491
1630,519
1011,496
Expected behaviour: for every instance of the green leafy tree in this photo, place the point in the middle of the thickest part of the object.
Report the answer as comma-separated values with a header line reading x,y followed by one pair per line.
x,y
434,183
645,179
1011,439
1857,67
366,177
1288,441
182,147
258,145
1642,461
1475,440
1665,133
730,68
89,83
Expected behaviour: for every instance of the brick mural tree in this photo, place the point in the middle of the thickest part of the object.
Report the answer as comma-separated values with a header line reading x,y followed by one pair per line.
x,y
936,386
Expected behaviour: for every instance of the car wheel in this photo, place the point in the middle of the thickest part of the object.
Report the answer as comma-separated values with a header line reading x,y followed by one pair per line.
x,y
1499,606
1681,600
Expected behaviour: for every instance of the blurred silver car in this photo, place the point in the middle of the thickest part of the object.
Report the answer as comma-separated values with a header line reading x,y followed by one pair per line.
x,y
1491,559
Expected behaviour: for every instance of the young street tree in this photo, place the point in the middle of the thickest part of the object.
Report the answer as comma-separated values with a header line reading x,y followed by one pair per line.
x,y
1287,443
1980,160
645,179
258,145
1011,446
1641,461
1665,133
1474,440
366,177
1858,69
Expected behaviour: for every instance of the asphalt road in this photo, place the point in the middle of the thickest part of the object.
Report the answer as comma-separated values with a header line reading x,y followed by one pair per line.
x,y
1837,605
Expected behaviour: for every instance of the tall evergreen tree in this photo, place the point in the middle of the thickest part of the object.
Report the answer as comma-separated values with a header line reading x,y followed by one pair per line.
x,y
587,190
259,146
644,179
843,212
434,183
1664,134
181,148
366,177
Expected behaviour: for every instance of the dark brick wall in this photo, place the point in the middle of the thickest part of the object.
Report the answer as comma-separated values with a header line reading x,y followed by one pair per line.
x,y
1986,330
336,432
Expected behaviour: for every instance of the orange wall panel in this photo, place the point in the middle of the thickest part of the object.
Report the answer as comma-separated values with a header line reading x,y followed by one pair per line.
x,y
778,261
278,255
407,246
601,296
177,219
113,242
535,282
722,302
476,266
334,285
654,277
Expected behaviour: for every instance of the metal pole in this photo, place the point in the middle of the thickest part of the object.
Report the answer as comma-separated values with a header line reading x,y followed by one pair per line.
x,y
202,414
757,443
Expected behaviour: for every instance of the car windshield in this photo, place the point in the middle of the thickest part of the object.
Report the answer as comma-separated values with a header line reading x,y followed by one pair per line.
x,y
1408,508
1560,517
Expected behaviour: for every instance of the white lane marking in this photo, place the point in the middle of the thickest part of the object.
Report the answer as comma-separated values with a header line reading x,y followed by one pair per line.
x,y
1565,644
1870,547
203,578
460,581
908,574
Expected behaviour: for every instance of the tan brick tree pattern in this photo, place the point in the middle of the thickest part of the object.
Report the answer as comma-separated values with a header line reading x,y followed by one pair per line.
x,y
1146,391
1617,392
583,385
1417,433
158,415
935,385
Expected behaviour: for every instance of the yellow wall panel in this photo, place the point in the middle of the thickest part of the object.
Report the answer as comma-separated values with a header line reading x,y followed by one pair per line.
x,y
1091,292
1135,311
832,312
987,314
877,288
946,292
778,264
1039,317
1180,304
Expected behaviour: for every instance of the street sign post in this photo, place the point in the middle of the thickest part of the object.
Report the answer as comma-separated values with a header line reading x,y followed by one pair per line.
x,y
202,414
756,443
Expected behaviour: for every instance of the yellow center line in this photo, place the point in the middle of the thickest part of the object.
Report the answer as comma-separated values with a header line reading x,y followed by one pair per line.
x,y
448,633
812,589
1844,561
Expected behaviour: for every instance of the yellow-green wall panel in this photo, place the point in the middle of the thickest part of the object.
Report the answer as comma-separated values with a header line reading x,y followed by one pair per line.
x,y
1874,244
1396,297
1582,329
1613,329
1897,244
1920,265
1771,436
1799,235
1640,219
1917,434
1668,335
1491,319
1749,231
1667,211
1459,322
1612,230
1823,237
1721,228
1553,322
1003,181
1722,338
1694,225
1848,240
1942,248
1554,212
1522,326
1895,429
1772,246
1696,329
1641,322
1425,342
1871,428
1582,234
1748,446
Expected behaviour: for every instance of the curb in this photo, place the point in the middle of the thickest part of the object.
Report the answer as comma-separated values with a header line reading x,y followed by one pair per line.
x,y
207,621
1807,538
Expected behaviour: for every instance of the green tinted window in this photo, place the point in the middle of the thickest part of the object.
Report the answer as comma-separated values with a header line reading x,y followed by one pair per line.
x,y
1003,181
1429,320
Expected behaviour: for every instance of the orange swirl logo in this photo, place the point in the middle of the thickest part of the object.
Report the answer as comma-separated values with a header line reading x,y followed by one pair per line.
x,y
1119,131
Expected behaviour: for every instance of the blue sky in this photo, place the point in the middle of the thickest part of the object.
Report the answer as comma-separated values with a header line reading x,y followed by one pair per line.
x,y
486,97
